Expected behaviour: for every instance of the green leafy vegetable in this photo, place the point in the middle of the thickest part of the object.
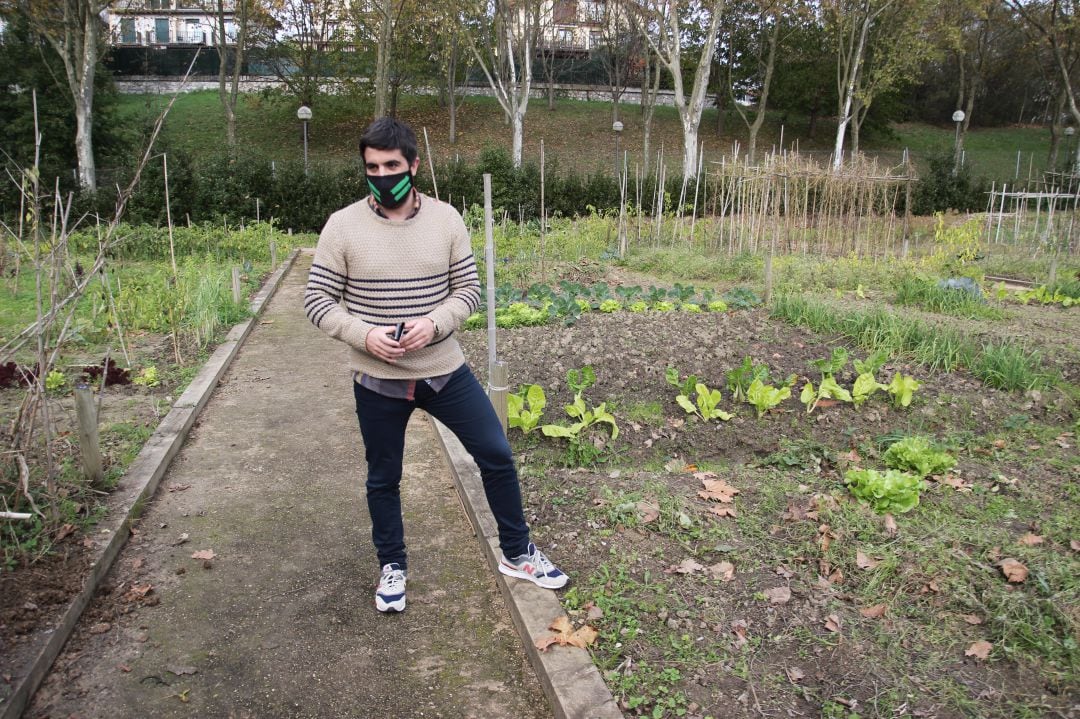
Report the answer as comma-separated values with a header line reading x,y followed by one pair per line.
x,y
707,401
765,397
916,454
740,378
580,379
902,388
865,385
835,363
525,408
891,492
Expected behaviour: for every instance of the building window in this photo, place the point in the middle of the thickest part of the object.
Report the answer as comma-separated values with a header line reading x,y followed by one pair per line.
x,y
565,38
161,29
127,30
595,40
160,4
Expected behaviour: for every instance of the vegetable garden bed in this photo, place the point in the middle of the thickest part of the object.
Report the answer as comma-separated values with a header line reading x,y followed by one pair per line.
x,y
729,569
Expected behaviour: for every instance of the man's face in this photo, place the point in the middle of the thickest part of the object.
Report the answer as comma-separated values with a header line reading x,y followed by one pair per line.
x,y
387,162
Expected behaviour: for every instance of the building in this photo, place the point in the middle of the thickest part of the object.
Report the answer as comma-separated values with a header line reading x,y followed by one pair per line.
x,y
573,27
167,23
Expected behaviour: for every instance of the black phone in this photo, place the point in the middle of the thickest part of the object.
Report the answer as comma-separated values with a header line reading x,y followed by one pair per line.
x,y
399,330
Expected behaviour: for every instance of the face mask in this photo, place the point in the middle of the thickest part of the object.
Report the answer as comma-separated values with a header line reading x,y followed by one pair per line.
x,y
390,190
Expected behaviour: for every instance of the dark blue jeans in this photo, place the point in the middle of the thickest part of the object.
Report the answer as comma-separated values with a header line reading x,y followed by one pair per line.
x,y
464,408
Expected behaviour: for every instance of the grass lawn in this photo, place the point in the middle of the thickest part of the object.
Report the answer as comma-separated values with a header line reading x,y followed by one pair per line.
x,y
575,133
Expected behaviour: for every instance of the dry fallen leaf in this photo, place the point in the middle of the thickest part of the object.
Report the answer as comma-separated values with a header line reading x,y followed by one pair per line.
x,y
593,612
972,618
648,511
65,531
740,628
137,563
956,483
864,561
778,595
890,526
999,443
100,628
852,456
717,490
1031,539
724,571
206,554
686,566
566,635
875,612
1074,545
794,674
1013,570
722,510
833,623
179,487
836,576
979,650
181,670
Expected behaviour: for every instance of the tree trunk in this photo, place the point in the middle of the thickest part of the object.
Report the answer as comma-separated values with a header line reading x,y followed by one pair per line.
x,y
382,59
848,96
519,132
763,102
451,90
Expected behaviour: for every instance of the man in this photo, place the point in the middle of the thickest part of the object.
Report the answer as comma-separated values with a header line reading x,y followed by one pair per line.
x,y
403,264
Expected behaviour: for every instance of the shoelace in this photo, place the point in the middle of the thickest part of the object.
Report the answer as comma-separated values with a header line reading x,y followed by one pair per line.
x,y
392,582
542,562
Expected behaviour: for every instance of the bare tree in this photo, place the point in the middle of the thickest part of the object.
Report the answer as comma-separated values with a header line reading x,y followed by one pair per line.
x,y
665,34
503,46
231,48
310,32
850,21
1056,22
618,50
73,28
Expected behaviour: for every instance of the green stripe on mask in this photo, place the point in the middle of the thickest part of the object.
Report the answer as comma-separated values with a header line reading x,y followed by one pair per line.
x,y
401,188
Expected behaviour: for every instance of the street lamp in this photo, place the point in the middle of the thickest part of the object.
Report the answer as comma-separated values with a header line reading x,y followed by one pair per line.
x,y
617,128
957,117
304,113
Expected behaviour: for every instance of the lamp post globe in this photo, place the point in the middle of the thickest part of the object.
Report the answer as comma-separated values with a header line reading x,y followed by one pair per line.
x,y
617,128
957,117
304,114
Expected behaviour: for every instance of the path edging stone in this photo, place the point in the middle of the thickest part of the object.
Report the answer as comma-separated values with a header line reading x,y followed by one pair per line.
x,y
138,485
570,680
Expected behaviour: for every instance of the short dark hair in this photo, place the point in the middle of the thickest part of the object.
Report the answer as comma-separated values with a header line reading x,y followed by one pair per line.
x,y
388,133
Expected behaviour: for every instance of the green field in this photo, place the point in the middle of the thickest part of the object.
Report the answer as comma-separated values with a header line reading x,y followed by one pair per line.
x,y
575,133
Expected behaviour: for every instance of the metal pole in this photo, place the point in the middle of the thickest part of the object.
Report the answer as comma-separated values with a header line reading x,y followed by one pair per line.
x,y
305,149
489,260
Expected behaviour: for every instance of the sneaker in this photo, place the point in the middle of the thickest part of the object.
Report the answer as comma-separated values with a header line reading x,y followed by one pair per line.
x,y
390,596
535,567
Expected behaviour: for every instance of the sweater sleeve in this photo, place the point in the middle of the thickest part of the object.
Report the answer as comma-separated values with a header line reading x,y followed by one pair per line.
x,y
464,293
325,288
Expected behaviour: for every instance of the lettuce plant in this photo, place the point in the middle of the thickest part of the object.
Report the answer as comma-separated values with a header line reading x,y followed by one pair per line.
x,y
686,386
902,388
916,454
580,379
525,408
765,397
740,378
888,492
832,365
707,401
581,451
610,306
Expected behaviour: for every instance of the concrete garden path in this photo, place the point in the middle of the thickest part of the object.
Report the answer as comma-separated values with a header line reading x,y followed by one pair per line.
x,y
281,622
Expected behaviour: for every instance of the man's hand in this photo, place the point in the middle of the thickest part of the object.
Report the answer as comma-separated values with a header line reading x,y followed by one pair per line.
x,y
380,343
418,333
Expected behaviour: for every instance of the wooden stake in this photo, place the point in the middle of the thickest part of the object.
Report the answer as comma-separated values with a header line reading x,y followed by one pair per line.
x,y
89,446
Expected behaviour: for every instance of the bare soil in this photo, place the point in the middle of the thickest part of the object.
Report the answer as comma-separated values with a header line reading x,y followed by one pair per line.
x,y
736,653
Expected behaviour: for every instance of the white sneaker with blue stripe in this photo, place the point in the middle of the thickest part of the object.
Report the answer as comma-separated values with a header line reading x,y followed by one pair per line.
x,y
390,596
535,567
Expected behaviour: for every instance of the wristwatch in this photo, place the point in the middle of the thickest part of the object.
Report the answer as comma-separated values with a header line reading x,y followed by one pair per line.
x,y
437,330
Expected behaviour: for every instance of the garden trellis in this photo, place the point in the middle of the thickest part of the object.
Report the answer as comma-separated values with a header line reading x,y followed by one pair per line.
x,y
806,207
1043,222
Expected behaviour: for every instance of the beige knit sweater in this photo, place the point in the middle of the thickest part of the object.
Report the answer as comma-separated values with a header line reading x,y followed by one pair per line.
x,y
370,271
